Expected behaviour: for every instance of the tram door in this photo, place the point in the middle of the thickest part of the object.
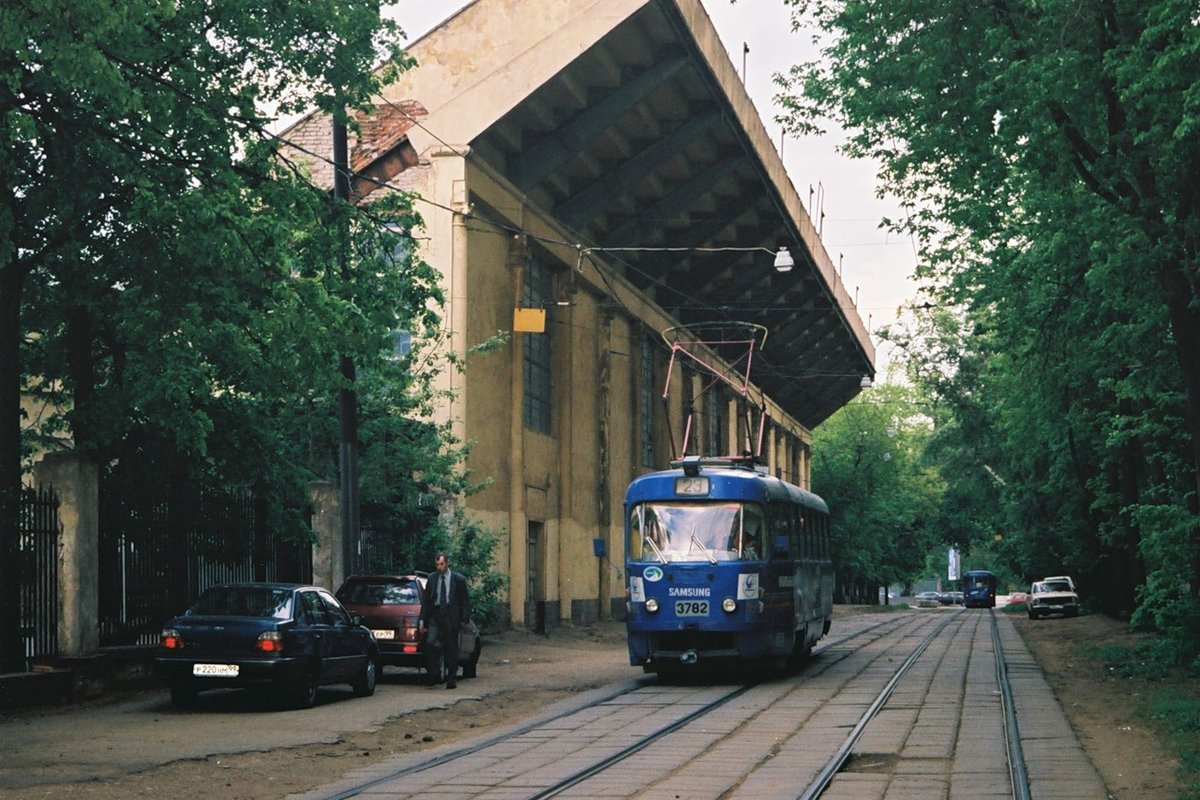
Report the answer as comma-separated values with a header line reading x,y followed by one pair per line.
x,y
535,590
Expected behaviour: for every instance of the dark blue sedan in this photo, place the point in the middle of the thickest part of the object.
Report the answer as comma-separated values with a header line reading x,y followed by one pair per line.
x,y
286,638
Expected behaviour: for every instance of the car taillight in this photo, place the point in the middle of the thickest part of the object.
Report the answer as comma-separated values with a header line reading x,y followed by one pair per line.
x,y
269,642
170,639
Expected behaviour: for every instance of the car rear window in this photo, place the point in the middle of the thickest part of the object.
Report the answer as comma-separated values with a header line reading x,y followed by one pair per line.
x,y
381,593
245,601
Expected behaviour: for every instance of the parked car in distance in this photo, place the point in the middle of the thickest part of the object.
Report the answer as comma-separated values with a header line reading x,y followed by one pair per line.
x,y
284,638
928,599
390,605
1018,597
1052,596
1066,578
950,598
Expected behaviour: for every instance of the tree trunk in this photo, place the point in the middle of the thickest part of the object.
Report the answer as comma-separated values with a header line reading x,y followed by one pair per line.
x,y
12,281
1184,309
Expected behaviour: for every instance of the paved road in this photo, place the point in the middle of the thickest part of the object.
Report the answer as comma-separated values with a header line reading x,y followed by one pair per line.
x,y
940,734
146,731
923,746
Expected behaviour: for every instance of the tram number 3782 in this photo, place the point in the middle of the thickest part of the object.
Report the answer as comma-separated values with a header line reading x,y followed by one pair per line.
x,y
691,608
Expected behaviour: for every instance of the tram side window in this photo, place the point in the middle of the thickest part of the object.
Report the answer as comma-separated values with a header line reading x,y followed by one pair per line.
x,y
783,524
806,533
797,532
822,536
752,530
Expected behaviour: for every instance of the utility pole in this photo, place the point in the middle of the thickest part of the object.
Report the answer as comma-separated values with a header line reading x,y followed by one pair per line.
x,y
347,398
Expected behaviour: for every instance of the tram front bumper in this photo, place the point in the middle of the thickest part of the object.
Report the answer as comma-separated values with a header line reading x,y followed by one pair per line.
x,y
690,647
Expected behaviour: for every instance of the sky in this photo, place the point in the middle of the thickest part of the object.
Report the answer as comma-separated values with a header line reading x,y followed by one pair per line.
x,y
876,266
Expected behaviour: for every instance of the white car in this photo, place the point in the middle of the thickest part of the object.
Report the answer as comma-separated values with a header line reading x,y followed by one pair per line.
x,y
1053,596
928,600
1066,578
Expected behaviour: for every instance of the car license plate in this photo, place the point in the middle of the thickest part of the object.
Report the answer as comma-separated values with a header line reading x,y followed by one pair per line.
x,y
215,670
691,608
383,634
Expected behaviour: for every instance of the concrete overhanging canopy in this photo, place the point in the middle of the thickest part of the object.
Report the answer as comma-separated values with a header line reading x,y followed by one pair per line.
x,y
626,121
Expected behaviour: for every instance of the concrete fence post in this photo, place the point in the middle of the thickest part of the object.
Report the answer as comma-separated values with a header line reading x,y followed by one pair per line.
x,y
327,562
76,480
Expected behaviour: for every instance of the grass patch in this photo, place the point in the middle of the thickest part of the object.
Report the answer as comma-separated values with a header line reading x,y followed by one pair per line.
x,y
1176,714
1142,660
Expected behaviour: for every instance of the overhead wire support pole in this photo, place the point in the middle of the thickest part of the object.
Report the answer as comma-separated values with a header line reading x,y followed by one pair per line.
x,y
347,398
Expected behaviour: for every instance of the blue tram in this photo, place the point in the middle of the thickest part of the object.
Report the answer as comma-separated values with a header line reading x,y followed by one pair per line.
x,y
724,564
979,589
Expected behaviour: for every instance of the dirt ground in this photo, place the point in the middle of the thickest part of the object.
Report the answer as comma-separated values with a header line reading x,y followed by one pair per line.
x,y
1101,707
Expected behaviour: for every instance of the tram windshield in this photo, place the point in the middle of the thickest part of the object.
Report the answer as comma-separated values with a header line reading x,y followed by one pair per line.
x,y
696,532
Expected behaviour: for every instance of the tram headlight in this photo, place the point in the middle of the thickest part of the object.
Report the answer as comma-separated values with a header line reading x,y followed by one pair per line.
x,y
729,605
652,605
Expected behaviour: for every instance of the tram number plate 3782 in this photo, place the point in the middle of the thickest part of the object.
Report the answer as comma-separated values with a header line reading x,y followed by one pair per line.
x,y
691,608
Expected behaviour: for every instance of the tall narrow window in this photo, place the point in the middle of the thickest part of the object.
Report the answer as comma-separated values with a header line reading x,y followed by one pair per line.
x,y
646,403
536,292
715,448
400,260
689,413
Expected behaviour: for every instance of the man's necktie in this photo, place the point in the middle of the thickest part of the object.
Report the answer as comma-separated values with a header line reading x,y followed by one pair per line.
x,y
442,590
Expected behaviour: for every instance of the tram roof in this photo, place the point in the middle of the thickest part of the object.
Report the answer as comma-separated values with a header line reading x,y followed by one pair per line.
x,y
725,477
626,122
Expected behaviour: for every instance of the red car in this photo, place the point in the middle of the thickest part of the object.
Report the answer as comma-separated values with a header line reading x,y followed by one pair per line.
x,y
390,605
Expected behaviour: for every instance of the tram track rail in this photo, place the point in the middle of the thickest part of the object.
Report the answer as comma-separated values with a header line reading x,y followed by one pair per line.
x,y
828,655
618,691
826,774
1018,771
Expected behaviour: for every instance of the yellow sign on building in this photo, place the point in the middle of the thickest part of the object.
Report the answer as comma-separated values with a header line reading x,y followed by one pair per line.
x,y
529,320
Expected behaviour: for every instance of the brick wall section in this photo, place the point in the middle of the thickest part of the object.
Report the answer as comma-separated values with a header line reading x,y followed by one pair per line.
x,y
381,153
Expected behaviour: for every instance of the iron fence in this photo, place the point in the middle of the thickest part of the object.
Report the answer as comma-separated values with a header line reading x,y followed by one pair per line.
x,y
389,545
156,557
38,553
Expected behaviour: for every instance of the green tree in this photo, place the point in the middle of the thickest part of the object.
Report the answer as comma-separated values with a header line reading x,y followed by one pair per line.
x,y
164,276
867,465
1002,123
1049,152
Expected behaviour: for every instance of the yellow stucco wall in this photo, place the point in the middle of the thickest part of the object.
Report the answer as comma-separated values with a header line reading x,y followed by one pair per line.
x,y
568,485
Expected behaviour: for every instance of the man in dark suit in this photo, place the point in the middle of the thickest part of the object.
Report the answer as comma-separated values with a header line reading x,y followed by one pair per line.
x,y
445,611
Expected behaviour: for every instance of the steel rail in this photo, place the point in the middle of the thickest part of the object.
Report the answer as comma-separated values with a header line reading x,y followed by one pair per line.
x,y
592,769
1017,772
651,738
641,744
831,768
470,749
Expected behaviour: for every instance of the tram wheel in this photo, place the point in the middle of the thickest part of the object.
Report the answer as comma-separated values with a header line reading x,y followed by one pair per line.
x,y
799,656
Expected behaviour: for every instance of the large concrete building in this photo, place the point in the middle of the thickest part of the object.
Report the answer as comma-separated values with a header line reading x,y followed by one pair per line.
x,y
600,161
